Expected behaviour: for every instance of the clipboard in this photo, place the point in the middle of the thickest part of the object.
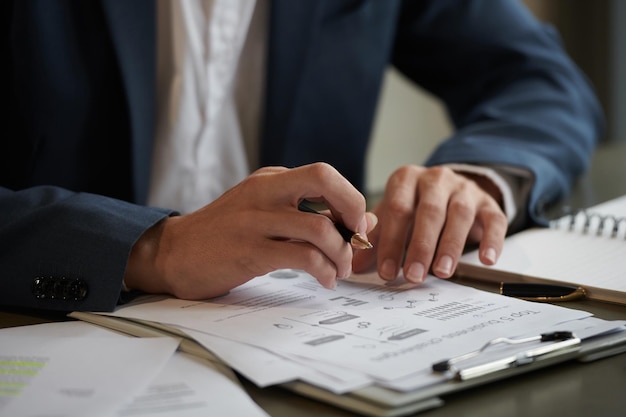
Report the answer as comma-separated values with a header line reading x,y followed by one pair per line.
x,y
378,401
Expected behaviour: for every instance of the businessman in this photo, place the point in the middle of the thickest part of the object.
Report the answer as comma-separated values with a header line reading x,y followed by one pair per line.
x,y
164,146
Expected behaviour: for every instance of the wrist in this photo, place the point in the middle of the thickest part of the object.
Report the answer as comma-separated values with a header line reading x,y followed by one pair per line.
x,y
143,270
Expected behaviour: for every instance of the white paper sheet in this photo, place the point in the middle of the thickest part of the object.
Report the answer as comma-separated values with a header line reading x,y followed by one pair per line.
x,y
189,387
75,375
260,366
184,386
386,330
265,368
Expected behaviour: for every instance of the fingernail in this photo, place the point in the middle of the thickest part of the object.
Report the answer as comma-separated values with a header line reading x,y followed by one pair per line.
x,y
490,255
373,218
415,272
444,266
362,227
388,270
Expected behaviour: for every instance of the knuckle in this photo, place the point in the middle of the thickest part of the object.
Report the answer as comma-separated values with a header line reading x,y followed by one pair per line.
x,y
420,248
431,210
452,246
402,171
498,224
494,214
498,216
253,182
438,174
312,257
399,208
462,209
322,226
437,179
402,174
323,171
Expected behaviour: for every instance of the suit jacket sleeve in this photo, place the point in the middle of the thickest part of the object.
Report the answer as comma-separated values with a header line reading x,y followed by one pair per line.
x,y
513,94
61,250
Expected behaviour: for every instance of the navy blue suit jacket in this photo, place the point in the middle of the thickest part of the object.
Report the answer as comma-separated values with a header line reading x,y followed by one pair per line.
x,y
78,134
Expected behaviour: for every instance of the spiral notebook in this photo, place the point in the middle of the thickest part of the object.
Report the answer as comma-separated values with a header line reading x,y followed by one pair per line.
x,y
586,248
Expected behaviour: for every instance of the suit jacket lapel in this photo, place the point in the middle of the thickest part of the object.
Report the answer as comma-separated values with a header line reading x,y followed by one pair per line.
x,y
132,25
292,26
133,31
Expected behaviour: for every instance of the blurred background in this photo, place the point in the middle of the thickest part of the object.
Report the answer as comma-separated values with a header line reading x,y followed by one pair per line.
x,y
410,122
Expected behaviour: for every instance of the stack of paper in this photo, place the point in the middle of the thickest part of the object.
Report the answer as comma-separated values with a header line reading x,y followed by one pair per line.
x,y
367,345
366,332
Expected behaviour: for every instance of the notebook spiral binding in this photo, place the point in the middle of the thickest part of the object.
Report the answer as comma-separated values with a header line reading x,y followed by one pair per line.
x,y
589,222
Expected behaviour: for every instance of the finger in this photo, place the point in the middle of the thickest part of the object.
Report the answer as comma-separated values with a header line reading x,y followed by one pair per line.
x,y
300,255
271,255
396,218
365,260
459,220
316,229
494,225
430,217
372,220
322,182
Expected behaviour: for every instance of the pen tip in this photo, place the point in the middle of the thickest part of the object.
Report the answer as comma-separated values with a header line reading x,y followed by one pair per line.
x,y
359,242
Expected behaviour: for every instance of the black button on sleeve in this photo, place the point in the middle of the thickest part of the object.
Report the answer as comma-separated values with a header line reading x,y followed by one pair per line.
x,y
60,288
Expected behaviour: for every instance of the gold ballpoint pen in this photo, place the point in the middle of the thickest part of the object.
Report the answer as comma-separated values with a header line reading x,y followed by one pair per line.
x,y
355,239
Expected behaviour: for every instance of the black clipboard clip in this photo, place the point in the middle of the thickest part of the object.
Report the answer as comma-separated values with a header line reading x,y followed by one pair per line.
x,y
563,341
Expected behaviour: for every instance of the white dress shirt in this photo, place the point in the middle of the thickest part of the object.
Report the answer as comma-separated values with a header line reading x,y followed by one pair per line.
x,y
209,80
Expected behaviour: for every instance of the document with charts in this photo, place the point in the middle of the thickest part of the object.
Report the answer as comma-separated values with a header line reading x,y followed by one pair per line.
x,y
364,325
586,248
